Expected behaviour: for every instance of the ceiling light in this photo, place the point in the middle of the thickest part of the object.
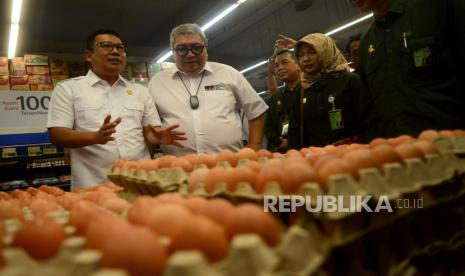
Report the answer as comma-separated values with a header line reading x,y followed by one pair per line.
x,y
208,25
343,27
14,29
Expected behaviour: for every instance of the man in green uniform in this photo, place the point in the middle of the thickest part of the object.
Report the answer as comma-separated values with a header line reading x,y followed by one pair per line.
x,y
277,116
412,61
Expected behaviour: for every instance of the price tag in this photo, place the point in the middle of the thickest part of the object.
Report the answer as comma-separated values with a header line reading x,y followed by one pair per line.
x,y
50,150
34,151
9,152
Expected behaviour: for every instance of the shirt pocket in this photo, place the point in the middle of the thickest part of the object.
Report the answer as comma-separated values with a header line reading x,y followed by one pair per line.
x,y
133,113
220,102
419,59
89,114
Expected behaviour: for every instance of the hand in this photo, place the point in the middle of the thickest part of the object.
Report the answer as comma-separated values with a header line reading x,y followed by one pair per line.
x,y
103,135
284,42
167,136
271,65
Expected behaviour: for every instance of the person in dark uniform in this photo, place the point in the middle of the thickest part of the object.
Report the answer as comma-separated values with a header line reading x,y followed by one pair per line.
x,y
329,107
277,116
352,49
411,60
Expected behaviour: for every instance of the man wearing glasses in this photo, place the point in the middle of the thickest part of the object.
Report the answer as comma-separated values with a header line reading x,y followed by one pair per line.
x,y
81,111
204,98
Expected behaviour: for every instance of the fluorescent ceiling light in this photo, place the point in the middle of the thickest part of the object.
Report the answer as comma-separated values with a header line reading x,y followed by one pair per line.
x,y
343,27
14,29
208,25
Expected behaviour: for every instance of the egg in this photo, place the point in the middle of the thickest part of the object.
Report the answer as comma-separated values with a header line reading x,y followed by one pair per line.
x,y
219,175
41,238
40,207
165,161
254,166
119,163
277,155
264,153
217,209
163,219
426,146
247,153
148,165
116,205
295,175
81,213
332,167
99,228
400,140
292,152
4,196
378,141
428,134
360,159
446,133
140,209
196,205
227,156
182,163
208,160
193,159
201,233
250,218
407,151
385,153
305,151
10,209
197,178
271,171
68,200
53,190
244,174
170,198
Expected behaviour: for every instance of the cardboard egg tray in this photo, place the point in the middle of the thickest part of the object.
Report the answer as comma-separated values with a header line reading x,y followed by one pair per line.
x,y
297,254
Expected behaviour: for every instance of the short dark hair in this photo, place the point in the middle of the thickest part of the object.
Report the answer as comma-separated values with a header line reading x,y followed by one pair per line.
x,y
279,52
91,38
352,39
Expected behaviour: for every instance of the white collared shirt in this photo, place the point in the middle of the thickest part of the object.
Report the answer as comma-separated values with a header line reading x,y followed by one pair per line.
x,y
82,103
216,123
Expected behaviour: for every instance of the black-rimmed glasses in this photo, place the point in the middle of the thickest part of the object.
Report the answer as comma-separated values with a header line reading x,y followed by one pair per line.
x,y
183,51
109,46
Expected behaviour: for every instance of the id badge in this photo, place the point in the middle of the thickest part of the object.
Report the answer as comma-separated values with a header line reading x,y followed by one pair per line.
x,y
422,57
335,119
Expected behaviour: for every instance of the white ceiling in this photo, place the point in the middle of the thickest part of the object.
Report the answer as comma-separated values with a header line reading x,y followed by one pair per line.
x,y
60,27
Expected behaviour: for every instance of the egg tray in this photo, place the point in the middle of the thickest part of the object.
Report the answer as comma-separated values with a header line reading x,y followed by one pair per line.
x,y
381,250
149,182
297,254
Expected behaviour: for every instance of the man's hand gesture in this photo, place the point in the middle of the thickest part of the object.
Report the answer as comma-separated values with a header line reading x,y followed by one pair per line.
x,y
166,136
103,135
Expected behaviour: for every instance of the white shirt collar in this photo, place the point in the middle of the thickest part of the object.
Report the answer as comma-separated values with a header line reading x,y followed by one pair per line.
x,y
92,79
174,69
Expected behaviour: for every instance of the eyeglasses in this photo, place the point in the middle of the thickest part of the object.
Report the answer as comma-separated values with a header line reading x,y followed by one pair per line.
x,y
109,46
183,51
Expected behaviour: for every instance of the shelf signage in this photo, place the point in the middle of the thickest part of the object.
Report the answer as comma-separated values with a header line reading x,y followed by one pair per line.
x,y
23,111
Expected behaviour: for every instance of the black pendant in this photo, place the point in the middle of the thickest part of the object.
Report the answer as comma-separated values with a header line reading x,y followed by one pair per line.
x,y
194,101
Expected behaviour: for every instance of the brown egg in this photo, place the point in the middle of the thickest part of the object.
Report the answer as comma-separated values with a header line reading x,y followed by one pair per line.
x,y
244,174
32,191
197,178
426,146
99,229
271,171
318,150
378,141
318,160
81,214
193,159
116,205
208,160
217,210
182,163
385,153
250,218
459,132
428,134
218,175
148,165
360,159
165,161
295,175
201,233
68,200
10,209
41,238
292,152
128,164
119,163
446,133
407,151
264,153
140,209
170,198
332,167
40,207
277,155
305,151
163,219
196,204
254,166
228,156
53,190
4,196
247,153
136,249
23,197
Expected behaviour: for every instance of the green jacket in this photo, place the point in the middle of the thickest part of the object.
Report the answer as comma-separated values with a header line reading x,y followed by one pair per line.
x,y
347,91
412,62
277,115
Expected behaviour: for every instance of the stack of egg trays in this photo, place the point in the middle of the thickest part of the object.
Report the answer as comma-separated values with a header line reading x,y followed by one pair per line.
x,y
296,254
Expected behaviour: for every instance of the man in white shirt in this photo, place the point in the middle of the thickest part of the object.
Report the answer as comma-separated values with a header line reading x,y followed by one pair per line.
x,y
204,98
81,109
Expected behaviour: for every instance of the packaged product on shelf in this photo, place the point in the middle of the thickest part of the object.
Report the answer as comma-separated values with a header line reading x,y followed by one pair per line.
x,y
4,66
76,69
4,83
37,70
17,66
19,83
36,59
58,67
58,78
139,70
42,87
40,79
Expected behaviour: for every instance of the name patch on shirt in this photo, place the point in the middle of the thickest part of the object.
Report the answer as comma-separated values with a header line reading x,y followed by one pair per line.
x,y
219,86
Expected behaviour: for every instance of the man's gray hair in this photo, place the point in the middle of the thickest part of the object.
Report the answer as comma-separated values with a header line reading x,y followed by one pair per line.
x,y
188,28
